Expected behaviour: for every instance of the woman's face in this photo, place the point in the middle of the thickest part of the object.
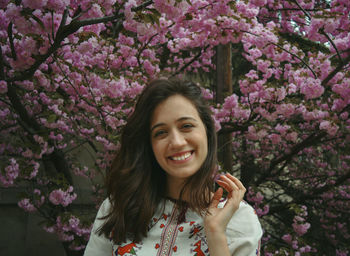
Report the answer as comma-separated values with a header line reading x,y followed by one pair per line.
x,y
179,138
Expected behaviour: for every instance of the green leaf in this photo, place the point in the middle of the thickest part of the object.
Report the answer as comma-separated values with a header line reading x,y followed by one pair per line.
x,y
52,118
189,16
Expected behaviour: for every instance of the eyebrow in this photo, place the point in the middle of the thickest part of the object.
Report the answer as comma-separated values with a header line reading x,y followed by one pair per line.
x,y
178,120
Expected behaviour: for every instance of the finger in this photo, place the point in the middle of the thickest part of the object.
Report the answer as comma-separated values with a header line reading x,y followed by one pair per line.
x,y
232,185
234,201
236,181
224,185
216,198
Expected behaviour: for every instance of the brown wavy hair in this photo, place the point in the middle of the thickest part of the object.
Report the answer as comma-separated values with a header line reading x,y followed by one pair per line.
x,y
136,184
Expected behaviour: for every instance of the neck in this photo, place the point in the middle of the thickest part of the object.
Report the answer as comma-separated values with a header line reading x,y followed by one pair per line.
x,y
174,187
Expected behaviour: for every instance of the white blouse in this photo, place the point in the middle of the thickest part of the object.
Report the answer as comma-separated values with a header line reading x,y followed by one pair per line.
x,y
166,237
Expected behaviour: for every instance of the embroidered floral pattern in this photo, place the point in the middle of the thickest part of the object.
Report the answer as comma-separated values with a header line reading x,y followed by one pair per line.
x,y
127,249
167,237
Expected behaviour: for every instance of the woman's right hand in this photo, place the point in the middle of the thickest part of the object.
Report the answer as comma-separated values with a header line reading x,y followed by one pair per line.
x,y
217,218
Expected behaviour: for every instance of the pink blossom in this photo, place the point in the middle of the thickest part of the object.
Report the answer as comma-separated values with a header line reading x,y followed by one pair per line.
x,y
287,238
292,136
64,198
311,88
305,249
28,153
329,127
150,69
35,170
57,5
3,3
11,173
263,65
3,87
301,229
26,205
275,138
340,252
287,110
34,4
83,172
259,2
281,94
292,88
263,211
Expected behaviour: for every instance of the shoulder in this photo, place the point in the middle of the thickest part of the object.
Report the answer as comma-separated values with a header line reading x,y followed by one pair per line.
x,y
104,208
99,245
245,221
244,231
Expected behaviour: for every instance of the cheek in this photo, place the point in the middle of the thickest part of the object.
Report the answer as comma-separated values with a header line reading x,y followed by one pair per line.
x,y
205,149
204,140
157,150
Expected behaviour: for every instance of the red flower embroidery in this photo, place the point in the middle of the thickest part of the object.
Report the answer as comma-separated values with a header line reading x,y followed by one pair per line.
x,y
181,229
175,248
198,249
161,225
157,246
126,248
196,230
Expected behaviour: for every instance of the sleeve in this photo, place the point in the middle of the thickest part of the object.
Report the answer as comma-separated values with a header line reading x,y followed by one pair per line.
x,y
99,245
244,232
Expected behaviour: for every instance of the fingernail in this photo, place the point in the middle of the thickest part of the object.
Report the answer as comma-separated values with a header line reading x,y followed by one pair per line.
x,y
217,177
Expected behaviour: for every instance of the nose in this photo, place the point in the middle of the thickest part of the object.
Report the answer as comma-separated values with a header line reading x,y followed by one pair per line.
x,y
177,139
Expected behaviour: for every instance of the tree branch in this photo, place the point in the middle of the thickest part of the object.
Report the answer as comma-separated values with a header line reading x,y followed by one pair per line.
x,y
2,66
332,43
309,141
296,56
335,71
190,62
12,46
64,31
328,187
282,48
302,9
31,125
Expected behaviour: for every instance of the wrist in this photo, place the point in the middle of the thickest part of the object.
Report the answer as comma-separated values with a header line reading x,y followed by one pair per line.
x,y
214,228
216,233
217,243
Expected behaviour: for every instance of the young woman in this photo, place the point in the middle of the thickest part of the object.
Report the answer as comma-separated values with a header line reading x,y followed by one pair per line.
x,y
161,198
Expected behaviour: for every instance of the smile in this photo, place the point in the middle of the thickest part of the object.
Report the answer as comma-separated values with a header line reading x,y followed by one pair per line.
x,y
181,157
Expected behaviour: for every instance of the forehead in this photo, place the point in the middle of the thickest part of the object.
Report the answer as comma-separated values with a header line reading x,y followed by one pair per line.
x,y
174,108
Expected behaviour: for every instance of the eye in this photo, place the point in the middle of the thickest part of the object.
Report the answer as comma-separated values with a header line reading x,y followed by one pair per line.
x,y
159,133
187,126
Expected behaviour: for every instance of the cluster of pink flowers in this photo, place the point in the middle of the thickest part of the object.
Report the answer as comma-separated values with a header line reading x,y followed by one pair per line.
x,y
300,226
31,205
64,198
11,173
257,199
67,227
26,205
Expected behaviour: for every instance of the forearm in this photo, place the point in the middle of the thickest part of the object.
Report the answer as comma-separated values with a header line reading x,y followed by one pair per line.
x,y
217,243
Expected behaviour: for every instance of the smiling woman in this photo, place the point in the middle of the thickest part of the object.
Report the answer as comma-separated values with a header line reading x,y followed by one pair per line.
x,y
179,141
160,187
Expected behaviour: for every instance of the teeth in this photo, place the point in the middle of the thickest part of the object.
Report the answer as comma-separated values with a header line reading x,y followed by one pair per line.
x,y
183,157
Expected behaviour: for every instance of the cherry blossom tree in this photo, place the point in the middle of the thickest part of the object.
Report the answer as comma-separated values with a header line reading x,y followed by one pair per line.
x,y
70,72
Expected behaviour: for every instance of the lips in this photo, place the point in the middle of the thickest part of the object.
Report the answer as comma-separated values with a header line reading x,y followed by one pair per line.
x,y
181,156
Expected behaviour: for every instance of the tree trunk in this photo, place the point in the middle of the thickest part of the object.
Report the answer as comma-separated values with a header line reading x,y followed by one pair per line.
x,y
224,88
